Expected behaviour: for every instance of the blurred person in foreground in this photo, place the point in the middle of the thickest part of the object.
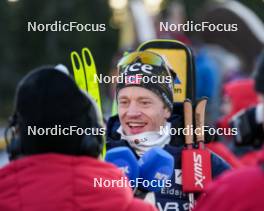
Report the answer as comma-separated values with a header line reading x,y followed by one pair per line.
x,y
237,95
145,107
56,172
243,188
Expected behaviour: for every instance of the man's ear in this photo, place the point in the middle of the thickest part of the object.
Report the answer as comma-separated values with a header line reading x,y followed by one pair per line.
x,y
167,113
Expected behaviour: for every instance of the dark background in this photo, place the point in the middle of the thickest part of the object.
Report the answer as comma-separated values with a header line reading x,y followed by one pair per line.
x,y
21,50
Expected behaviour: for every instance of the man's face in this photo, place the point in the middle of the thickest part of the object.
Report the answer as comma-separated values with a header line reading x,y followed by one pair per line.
x,y
140,110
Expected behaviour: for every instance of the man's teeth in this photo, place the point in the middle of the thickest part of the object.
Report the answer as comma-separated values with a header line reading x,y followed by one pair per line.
x,y
134,124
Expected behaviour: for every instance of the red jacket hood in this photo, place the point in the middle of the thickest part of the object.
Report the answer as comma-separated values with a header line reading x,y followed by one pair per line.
x,y
58,182
242,96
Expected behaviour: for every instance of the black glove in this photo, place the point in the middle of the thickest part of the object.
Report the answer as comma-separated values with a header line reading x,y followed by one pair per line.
x,y
250,132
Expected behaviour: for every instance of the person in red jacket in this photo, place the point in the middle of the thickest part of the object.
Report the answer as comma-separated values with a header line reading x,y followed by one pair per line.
x,y
54,166
240,189
237,95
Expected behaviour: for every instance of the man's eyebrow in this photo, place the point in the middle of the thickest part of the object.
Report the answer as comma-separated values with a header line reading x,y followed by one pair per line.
x,y
144,98
123,97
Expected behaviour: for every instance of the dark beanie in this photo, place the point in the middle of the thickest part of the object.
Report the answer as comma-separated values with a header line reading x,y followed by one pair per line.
x,y
159,80
259,74
47,97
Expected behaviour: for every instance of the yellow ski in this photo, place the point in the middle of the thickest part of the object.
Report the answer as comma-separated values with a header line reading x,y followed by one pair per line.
x,y
90,72
84,75
78,71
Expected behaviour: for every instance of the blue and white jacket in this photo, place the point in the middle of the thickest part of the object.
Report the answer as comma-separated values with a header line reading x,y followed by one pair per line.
x,y
172,198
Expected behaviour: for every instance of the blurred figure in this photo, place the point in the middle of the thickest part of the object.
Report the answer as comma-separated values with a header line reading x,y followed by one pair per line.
x,y
242,187
237,95
207,81
207,74
55,169
250,124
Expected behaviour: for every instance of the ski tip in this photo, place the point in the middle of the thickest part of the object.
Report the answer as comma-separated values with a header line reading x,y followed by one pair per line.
x,y
87,57
76,61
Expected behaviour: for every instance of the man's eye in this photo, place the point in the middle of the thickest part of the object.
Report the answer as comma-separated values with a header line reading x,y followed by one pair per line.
x,y
123,102
145,102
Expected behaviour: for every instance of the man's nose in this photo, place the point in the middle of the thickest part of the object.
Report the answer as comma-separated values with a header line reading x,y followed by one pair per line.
x,y
133,110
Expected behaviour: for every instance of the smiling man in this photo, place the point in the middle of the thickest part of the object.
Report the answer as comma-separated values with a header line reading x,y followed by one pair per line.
x,y
134,112
145,103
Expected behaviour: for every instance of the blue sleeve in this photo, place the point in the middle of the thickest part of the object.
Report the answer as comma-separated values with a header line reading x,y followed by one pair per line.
x,y
218,165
